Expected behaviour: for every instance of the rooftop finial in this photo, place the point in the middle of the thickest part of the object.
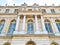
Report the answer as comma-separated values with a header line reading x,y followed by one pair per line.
x,y
45,4
35,4
6,4
13,4
24,4
52,4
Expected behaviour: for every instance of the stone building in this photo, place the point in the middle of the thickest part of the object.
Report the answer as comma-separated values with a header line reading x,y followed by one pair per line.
x,y
29,25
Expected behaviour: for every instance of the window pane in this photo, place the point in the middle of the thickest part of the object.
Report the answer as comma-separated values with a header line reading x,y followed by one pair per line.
x,y
7,11
30,28
16,11
48,28
1,27
11,29
29,9
43,11
52,10
58,25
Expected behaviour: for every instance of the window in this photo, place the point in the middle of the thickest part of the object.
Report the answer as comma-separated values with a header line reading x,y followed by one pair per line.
x,y
30,43
7,43
2,25
29,9
54,43
48,27
52,10
16,11
58,24
11,28
23,9
43,11
7,11
30,29
36,9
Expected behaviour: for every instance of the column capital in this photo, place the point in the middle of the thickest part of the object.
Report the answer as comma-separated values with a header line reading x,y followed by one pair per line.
x,y
35,15
41,15
24,14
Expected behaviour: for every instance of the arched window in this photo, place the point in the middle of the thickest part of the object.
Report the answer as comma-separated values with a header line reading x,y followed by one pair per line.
x,y
58,24
12,27
30,29
2,22
30,43
54,43
48,26
6,43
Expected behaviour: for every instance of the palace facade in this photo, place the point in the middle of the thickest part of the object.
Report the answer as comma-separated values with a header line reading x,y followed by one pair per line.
x,y
29,25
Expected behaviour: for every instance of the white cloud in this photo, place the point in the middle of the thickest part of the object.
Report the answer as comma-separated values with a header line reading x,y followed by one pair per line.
x,y
10,2
42,2
31,2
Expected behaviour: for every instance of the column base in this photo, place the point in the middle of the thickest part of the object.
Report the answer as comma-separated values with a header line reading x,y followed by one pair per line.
x,y
37,32
57,34
16,32
22,32
42,32
2,35
45,32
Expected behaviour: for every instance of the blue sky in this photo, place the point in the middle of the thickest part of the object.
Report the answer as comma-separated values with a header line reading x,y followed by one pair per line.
x,y
29,2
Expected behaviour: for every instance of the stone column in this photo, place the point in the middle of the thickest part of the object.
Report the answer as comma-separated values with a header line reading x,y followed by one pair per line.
x,y
43,26
17,25
55,27
23,26
36,24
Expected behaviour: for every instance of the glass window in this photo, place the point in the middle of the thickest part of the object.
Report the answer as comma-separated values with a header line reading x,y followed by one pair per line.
x,y
58,24
16,11
48,28
7,11
43,11
7,43
12,28
1,26
29,9
54,43
30,28
23,9
52,10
